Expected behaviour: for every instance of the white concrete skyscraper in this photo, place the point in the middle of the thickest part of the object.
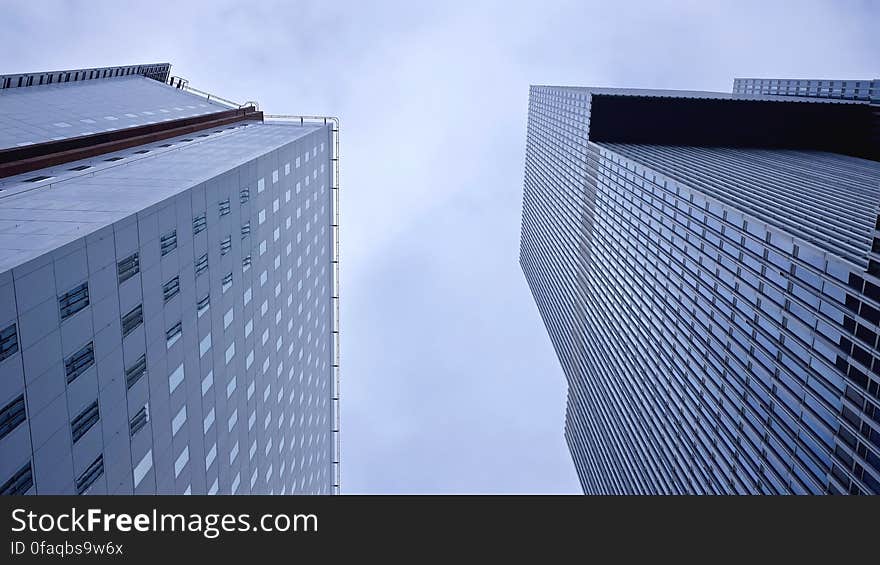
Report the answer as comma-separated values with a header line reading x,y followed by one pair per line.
x,y
168,289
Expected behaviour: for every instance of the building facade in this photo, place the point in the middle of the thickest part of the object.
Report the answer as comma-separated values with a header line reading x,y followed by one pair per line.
x,y
168,302
707,266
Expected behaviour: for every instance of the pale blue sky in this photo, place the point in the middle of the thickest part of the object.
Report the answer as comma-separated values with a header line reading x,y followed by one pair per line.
x,y
450,383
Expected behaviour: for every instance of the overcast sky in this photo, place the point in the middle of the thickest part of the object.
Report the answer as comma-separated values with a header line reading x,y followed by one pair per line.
x,y
450,383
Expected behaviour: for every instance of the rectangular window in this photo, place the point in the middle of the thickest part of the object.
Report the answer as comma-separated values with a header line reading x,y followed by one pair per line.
x,y
92,473
199,224
128,267
245,230
207,382
132,320
209,458
203,304
244,195
181,461
202,264
136,371
79,362
73,301
226,245
20,482
225,208
204,345
11,416
171,288
8,341
208,421
168,242
84,421
178,421
172,335
227,282
140,419
246,263
143,467
175,378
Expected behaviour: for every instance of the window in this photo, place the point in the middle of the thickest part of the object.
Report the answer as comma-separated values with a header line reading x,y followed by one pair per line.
x,y
199,224
209,459
207,382
181,461
171,288
73,301
139,420
84,421
92,473
204,345
79,362
246,263
227,318
38,179
11,416
208,421
261,185
226,245
175,378
225,208
245,230
172,335
227,282
128,267
261,217
244,195
8,341
202,264
136,371
132,320
178,421
20,482
203,304
143,467
168,242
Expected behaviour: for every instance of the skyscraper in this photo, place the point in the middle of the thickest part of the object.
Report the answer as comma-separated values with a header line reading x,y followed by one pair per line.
x,y
707,267
168,289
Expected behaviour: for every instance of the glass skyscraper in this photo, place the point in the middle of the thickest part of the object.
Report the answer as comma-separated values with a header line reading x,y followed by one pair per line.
x,y
708,268
168,289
